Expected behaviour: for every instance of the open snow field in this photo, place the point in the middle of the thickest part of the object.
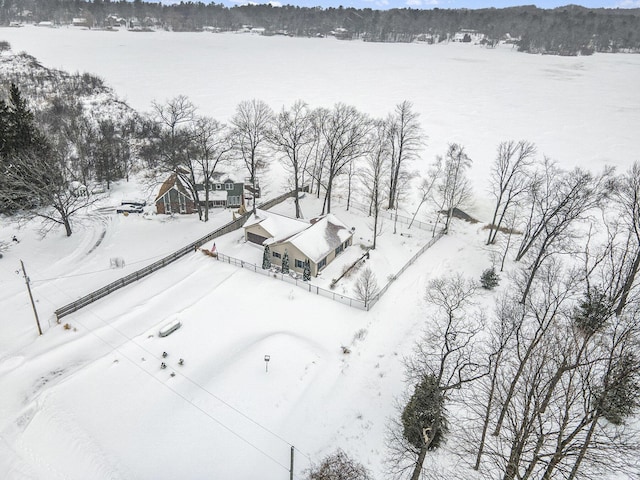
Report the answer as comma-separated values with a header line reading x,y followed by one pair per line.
x,y
92,402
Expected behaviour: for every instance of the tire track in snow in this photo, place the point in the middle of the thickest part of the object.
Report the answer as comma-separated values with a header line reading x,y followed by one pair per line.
x,y
42,444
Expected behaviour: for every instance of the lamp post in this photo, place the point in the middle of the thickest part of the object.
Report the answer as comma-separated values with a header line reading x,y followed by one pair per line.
x,y
266,362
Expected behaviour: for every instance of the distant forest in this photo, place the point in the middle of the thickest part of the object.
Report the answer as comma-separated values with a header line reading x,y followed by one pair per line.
x,y
570,30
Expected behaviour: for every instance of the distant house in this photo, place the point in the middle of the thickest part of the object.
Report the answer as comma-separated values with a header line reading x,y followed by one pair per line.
x,y
79,22
175,197
77,189
320,241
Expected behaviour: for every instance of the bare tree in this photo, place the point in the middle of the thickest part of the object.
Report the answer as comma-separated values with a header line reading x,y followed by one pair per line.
x,y
376,166
502,331
584,370
174,119
405,138
343,136
45,181
366,287
293,135
447,358
250,127
628,199
212,147
558,203
509,180
453,189
315,166
427,186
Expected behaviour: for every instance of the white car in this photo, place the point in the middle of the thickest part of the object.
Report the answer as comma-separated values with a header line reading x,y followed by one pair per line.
x,y
128,208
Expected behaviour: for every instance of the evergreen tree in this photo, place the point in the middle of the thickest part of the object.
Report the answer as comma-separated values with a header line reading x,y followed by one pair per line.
x,y
489,279
266,258
306,274
423,421
285,262
19,138
592,312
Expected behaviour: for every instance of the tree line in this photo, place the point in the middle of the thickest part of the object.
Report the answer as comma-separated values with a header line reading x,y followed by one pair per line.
x,y
539,379
569,30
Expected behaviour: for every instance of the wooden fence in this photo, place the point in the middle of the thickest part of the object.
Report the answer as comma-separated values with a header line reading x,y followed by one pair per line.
x,y
163,262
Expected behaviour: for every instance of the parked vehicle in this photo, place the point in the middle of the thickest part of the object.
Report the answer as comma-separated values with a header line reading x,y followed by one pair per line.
x,y
139,203
169,328
128,208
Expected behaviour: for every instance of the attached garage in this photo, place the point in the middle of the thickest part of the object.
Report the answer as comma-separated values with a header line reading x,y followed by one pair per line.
x,y
255,238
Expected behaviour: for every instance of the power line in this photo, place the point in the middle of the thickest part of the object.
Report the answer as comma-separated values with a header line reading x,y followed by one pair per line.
x,y
116,348
97,271
193,382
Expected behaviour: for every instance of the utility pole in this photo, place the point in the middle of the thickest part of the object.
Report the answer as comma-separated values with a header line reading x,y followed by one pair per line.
x,y
291,467
33,305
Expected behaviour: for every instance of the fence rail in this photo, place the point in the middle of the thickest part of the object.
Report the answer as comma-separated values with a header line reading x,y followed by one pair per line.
x,y
230,227
390,215
295,280
163,262
379,295
346,300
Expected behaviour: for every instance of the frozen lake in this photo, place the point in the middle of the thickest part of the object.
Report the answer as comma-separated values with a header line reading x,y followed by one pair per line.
x,y
579,111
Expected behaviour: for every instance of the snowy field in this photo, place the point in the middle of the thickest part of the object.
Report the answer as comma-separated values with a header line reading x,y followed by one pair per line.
x,y
91,401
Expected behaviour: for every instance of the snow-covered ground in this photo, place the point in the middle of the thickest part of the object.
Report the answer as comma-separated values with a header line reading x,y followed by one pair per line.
x,y
91,401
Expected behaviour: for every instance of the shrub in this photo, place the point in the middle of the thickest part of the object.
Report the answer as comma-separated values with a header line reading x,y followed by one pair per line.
x,y
489,279
338,466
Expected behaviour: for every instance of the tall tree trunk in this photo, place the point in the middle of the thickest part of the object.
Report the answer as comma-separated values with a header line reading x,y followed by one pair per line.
x,y
628,283
420,460
584,448
487,415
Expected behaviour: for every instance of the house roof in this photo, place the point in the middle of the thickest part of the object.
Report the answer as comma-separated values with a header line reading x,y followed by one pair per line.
x,y
321,237
278,226
169,183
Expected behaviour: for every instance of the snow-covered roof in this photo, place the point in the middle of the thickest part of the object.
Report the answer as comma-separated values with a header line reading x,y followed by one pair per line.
x,y
279,226
323,236
172,182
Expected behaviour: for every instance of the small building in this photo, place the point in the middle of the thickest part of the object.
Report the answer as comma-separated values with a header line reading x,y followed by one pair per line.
x,y
320,241
176,197
79,22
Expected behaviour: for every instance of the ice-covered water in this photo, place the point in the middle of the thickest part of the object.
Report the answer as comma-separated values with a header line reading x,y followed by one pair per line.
x,y
578,110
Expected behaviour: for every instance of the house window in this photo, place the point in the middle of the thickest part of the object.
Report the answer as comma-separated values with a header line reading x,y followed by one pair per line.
x,y
233,201
322,263
276,255
300,264
218,186
346,244
228,186
167,204
339,249
183,204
